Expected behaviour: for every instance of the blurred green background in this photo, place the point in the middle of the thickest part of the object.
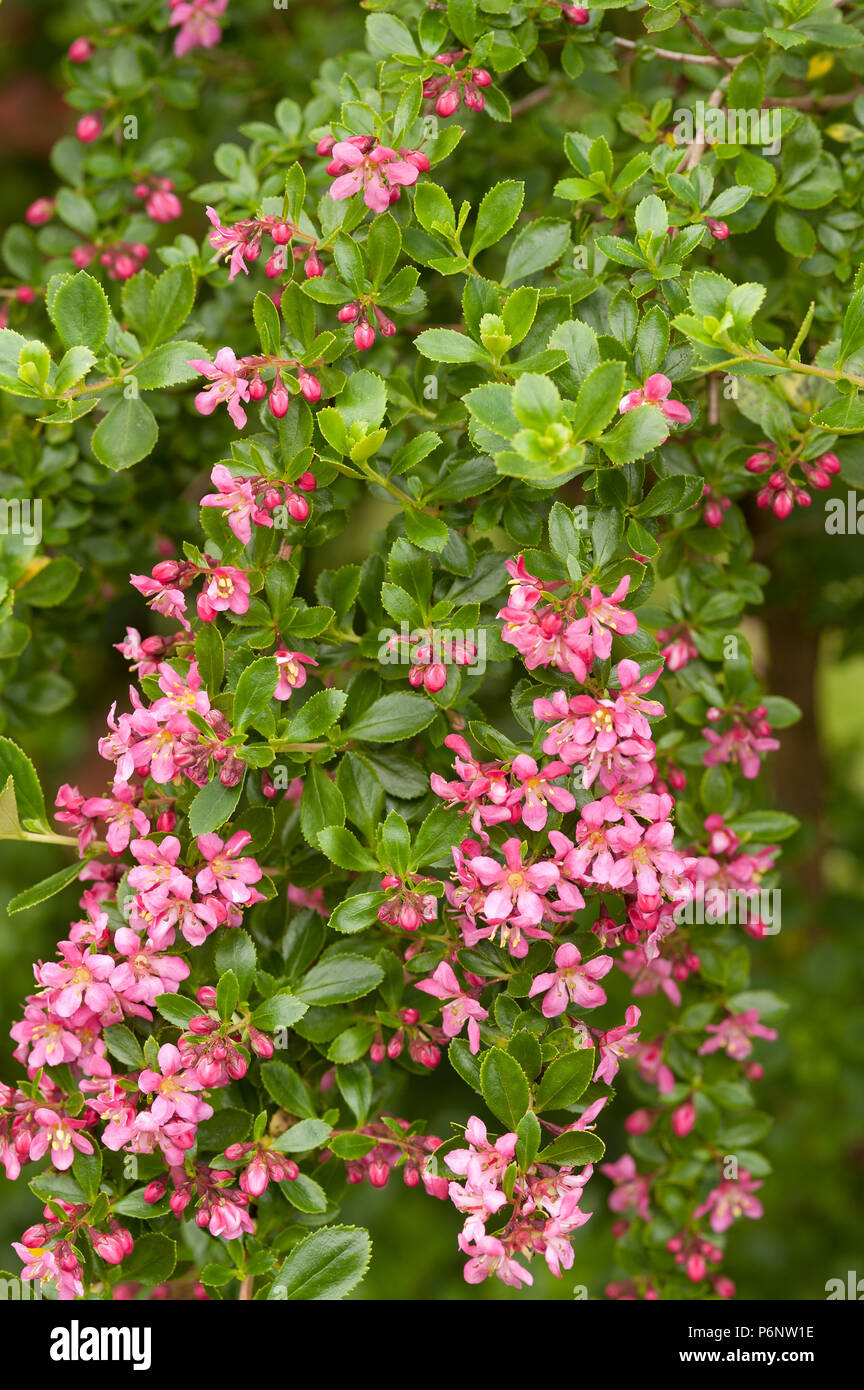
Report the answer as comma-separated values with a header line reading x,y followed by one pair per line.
x,y
812,637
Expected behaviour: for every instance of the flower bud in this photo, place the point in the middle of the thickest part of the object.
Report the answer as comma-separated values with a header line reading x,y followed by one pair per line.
x,y
364,336
448,102
89,128
79,50
39,212
279,400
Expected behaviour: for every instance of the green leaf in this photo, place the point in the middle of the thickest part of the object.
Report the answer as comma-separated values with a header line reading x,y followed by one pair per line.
x,y
505,1087
127,434
168,365
539,244
321,804
328,1264
152,1261
300,1138
253,695
318,714
122,1044
80,312
391,718
497,213
446,345
267,324
636,434
287,1089
28,792
339,980
577,1147
281,1010
354,914
565,1079
344,849
212,806
46,889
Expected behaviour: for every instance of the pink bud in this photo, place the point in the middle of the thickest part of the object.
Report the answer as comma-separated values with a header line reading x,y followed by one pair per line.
x,y
474,100
448,102
325,146
758,463
310,387
410,1016
718,230
257,388
348,313
782,505
639,1122
418,159
206,996
313,266
723,1287
281,233
166,820
364,336
125,267
307,482
696,1267
24,294
89,128
298,508
82,255
829,462
379,1174
713,514
684,1118
80,50
40,212
481,77
279,400
435,677
163,207
575,14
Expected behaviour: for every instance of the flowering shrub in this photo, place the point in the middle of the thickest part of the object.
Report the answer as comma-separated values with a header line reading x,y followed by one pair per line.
x,y
524,838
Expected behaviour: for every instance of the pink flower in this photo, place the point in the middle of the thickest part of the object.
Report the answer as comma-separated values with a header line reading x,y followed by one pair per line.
x,y
145,972
226,590
489,1257
197,22
656,392
482,1164
61,1134
291,673
237,500
632,1189
734,1034
157,878
377,172
60,1266
607,617
572,980
516,889
616,1043
80,979
240,243
731,1199
536,791
462,1009
224,872
229,385
120,813
174,1087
